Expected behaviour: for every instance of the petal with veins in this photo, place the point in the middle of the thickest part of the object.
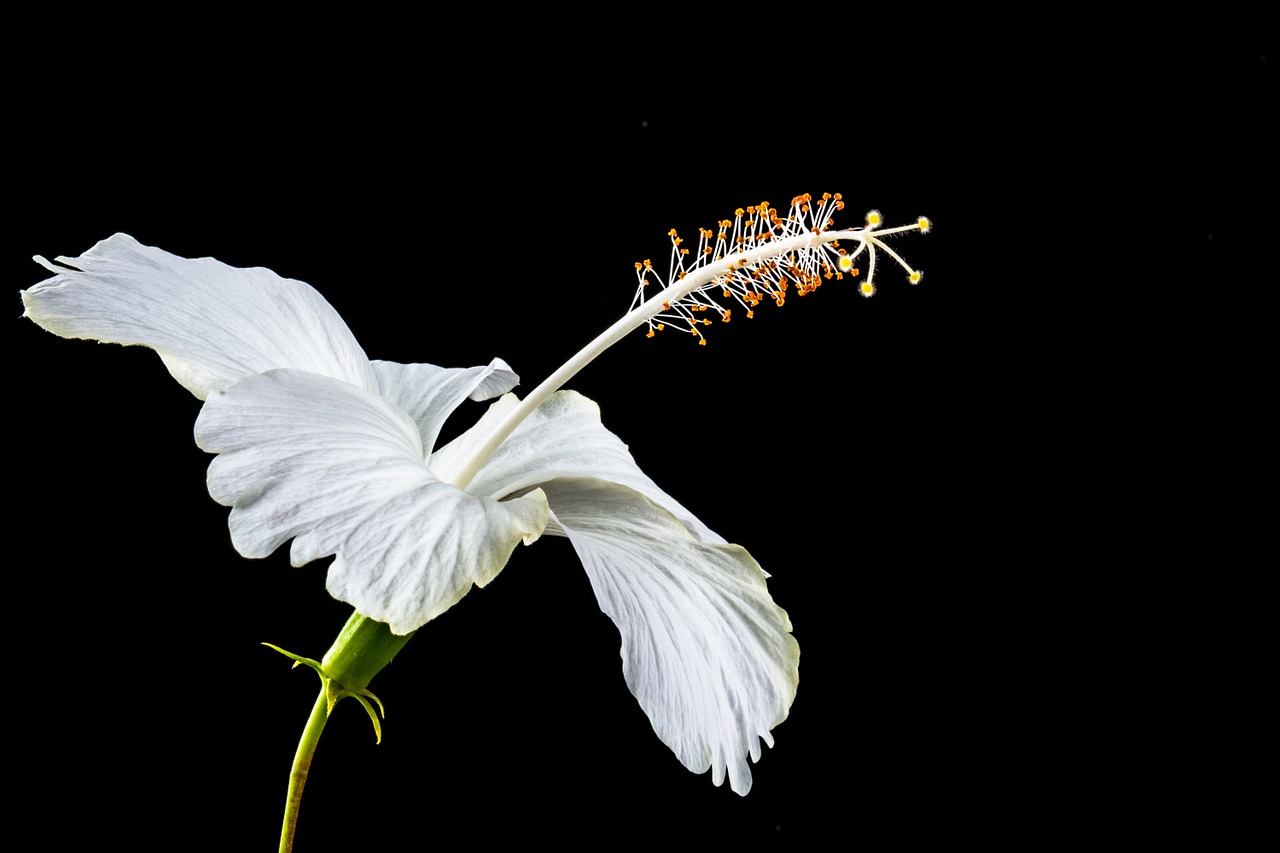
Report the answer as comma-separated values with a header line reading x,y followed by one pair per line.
x,y
429,394
341,471
212,324
562,438
705,650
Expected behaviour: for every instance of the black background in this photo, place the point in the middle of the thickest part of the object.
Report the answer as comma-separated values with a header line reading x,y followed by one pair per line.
x,y
879,457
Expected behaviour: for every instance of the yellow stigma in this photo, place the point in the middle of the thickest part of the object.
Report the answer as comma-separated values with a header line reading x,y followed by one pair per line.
x,y
924,224
915,277
874,219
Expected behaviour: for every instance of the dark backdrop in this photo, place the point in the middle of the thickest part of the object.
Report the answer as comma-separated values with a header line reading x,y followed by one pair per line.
x,y
872,454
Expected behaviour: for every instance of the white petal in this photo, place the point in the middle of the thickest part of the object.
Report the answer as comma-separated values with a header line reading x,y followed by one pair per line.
x,y
212,324
705,650
340,472
429,394
562,438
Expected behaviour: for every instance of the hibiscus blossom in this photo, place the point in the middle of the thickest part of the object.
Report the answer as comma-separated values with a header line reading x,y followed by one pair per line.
x,y
319,445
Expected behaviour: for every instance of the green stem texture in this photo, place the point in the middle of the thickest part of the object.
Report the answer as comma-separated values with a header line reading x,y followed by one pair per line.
x,y
301,766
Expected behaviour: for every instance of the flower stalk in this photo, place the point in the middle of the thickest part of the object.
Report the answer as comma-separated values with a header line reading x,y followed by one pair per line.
x,y
301,767
363,648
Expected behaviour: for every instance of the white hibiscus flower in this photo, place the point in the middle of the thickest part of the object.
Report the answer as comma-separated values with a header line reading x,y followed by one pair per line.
x,y
320,445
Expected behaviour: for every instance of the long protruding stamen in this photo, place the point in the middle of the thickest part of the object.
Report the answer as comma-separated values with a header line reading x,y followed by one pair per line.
x,y
757,264
632,320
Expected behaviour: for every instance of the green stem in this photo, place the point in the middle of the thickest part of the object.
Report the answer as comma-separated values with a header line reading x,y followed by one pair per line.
x,y
362,649
301,766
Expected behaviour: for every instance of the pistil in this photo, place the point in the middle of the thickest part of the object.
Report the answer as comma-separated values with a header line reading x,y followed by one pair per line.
x,y
768,255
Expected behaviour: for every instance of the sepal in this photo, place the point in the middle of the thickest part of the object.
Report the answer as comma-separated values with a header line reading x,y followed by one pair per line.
x,y
334,691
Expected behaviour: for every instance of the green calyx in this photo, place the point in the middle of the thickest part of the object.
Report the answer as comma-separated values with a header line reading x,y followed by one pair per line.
x,y
359,653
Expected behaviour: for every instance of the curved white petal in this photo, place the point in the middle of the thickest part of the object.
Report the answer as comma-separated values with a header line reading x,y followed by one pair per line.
x,y
562,438
212,324
705,650
429,394
340,471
